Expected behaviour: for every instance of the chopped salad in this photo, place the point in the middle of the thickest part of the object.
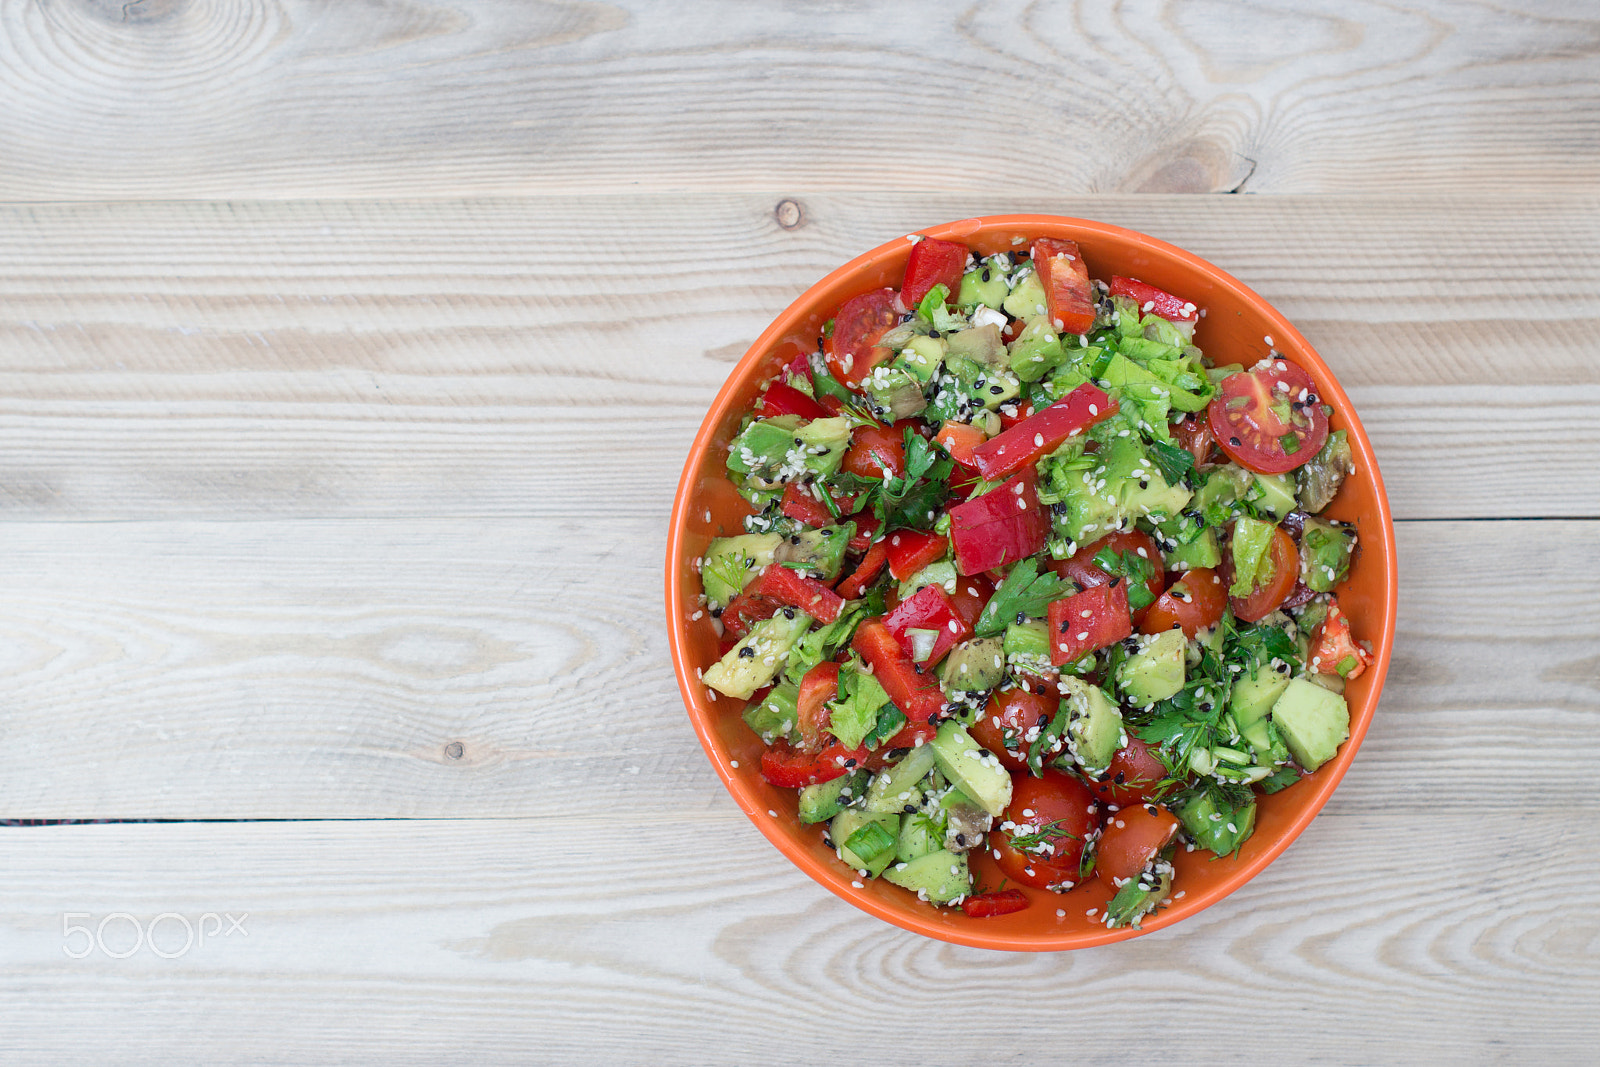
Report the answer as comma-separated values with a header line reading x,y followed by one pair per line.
x,y
1028,574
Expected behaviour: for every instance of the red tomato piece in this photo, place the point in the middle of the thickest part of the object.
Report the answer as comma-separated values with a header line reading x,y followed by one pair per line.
x,y
916,694
1081,568
867,527
869,568
792,768
1042,837
1065,275
1150,299
1087,621
781,399
874,449
789,586
912,550
1037,435
1334,650
801,506
744,611
1194,601
1273,589
959,440
817,689
1131,840
988,905
1193,434
1269,420
927,609
1132,776
1008,716
932,262
852,351
999,527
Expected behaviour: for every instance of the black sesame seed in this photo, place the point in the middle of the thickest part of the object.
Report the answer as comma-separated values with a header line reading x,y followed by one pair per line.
x,y
983,275
996,390
747,652
788,613
1234,441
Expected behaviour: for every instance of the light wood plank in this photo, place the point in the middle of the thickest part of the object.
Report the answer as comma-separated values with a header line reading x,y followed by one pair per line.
x,y
303,669
602,937
507,358
162,99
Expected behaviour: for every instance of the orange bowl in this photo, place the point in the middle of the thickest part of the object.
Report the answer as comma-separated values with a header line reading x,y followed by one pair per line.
x,y
1234,330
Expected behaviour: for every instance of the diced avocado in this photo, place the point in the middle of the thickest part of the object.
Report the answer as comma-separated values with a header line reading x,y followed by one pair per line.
x,y
1325,549
941,572
972,768
1222,831
1027,298
1140,895
1331,682
1027,644
1094,725
897,787
921,357
920,835
942,876
1273,494
974,666
821,801
844,827
1314,722
996,387
982,285
730,563
823,443
893,393
757,659
1252,540
1156,671
965,825
1224,485
775,715
821,550
1150,494
1036,351
1252,698
1201,552
1318,482
761,447
784,448
981,344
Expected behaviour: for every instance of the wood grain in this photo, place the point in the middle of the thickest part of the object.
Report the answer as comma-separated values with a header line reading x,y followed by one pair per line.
x,y
317,669
475,940
297,98
502,358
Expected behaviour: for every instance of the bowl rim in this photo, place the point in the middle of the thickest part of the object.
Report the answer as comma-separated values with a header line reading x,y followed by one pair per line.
x,y
909,916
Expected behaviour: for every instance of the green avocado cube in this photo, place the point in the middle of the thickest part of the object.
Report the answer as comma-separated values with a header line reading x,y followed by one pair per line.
x,y
972,768
1156,671
755,661
1314,722
942,876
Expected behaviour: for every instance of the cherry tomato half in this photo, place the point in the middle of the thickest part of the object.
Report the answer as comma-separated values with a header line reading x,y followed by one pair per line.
x,y
1081,568
1274,588
1196,600
1053,817
1131,839
1011,713
1269,420
874,449
852,350
1132,776
817,688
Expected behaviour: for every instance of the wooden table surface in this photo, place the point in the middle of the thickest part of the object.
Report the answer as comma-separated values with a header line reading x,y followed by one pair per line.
x,y
348,358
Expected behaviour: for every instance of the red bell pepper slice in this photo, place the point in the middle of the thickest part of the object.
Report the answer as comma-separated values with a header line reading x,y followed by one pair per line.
x,y
987,905
1086,621
959,440
867,527
799,505
932,262
781,399
1149,299
809,595
1042,433
912,550
871,564
793,768
999,527
916,694
1065,275
927,609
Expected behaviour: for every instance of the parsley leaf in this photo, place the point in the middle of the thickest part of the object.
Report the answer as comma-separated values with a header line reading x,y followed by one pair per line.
x,y
1024,592
1133,567
1171,461
914,500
